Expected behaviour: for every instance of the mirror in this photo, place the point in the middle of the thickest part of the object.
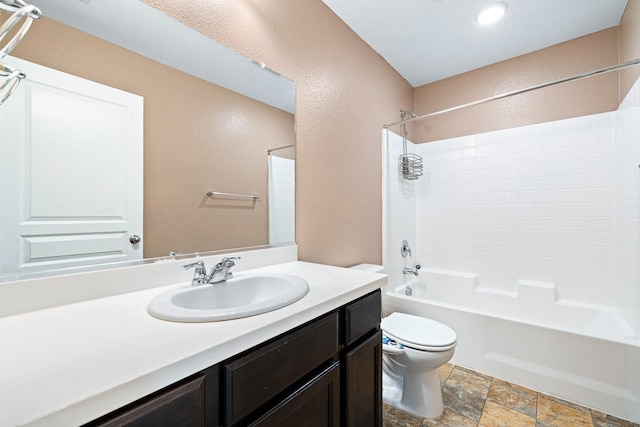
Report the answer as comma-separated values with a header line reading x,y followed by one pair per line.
x,y
210,117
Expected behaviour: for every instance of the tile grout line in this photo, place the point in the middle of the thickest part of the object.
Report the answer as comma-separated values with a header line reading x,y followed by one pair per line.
x,y
484,405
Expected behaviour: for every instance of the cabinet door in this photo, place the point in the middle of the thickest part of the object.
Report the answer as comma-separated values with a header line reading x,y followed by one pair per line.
x,y
316,404
254,379
363,384
178,406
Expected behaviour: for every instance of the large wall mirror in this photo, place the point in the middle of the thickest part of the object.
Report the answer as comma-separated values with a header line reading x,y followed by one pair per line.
x,y
218,139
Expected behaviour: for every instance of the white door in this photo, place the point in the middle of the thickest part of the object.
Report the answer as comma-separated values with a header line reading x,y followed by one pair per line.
x,y
70,172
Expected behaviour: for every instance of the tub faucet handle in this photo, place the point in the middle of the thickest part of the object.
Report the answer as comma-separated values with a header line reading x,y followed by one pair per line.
x,y
405,249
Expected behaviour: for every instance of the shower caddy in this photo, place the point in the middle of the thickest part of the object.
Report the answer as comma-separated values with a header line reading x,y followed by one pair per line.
x,y
409,164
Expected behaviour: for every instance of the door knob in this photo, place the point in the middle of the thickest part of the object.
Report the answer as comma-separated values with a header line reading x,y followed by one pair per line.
x,y
134,239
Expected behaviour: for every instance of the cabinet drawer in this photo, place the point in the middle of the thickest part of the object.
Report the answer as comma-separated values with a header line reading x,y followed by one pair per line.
x,y
362,316
180,405
316,404
254,379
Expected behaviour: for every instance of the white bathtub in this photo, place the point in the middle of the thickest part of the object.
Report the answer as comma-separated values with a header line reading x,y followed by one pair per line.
x,y
584,354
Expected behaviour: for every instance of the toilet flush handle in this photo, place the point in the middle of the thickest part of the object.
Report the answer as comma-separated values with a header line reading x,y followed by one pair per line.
x,y
392,347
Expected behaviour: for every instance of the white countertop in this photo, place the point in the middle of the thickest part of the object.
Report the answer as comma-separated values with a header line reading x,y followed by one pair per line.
x,y
67,365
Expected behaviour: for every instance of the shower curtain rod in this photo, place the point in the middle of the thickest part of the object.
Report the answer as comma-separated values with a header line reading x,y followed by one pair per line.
x,y
519,91
279,148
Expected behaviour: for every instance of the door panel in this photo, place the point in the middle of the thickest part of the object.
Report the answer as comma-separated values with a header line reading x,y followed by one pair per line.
x,y
71,172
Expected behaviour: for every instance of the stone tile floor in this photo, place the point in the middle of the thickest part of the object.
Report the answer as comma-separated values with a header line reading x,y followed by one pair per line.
x,y
472,399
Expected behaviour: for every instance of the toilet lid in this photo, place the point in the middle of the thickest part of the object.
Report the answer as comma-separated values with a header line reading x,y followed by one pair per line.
x,y
418,332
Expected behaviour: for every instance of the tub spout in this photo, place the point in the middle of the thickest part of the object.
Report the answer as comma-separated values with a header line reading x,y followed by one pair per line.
x,y
414,271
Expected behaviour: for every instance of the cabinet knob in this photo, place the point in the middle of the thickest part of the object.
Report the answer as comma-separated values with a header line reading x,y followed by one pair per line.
x,y
134,239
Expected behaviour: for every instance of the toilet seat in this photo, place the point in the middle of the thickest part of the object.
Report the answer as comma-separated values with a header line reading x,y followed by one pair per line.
x,y
418,333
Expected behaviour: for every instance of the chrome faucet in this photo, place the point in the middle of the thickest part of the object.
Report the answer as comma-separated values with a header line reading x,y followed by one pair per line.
x,y
219,273
414,271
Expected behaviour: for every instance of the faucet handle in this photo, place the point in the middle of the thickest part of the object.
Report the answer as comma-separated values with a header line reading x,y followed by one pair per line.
x,y
228,261
225,265
405,249
198,265
199,274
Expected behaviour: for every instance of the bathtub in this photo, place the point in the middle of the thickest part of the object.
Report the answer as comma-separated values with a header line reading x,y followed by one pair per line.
x,y
580,353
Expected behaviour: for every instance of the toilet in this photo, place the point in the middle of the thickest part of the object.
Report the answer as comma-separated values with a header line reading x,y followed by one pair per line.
x,y
413,348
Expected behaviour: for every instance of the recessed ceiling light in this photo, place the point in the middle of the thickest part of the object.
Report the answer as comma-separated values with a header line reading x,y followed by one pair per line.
x,y
492,14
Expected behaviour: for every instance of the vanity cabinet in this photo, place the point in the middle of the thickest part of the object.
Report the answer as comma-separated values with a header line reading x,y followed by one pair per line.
x,y
255,379
363,383
316,404
324,373
362,362
181,404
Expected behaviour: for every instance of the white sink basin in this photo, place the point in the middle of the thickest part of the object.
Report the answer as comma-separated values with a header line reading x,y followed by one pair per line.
x,y
244,295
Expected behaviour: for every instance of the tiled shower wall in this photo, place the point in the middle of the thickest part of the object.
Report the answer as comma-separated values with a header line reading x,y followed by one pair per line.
x,y
399,209
532,203
557,203
627,197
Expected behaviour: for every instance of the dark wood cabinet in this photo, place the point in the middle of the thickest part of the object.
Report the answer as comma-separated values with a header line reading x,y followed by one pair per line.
x,y
363,383
324,373
254,379
316,404
180,405
362,317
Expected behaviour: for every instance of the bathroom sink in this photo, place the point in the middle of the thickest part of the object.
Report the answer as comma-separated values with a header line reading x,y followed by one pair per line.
x,y
242,296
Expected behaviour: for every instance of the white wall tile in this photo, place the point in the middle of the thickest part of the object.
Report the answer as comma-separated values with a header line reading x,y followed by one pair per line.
x,y
627,208
557,203
535,201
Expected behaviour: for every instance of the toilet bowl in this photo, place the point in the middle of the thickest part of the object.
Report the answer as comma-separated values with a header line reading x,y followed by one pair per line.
x,y
413,348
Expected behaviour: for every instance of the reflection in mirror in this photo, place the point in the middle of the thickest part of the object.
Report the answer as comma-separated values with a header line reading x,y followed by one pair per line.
x,y
282,189
210,117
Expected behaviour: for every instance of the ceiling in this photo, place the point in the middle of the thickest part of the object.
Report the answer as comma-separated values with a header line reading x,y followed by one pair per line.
x,y
429,40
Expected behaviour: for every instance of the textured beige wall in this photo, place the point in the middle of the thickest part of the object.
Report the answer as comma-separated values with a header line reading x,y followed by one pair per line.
x,y
578,98
629,45
345,92
197,137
